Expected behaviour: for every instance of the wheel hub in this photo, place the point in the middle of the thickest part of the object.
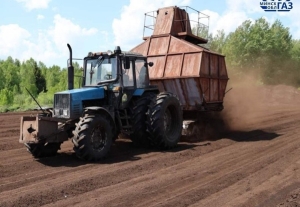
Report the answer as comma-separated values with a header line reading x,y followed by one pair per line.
x,y
98,138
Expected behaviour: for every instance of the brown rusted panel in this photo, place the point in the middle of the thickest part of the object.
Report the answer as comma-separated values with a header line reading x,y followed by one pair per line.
x,y
185,15
35,128
189,37
223,85
142,48
178,45
164,21
159,84
191,64
214,90
28,124
193,93
174,86
204,70
157,70
205,88
173,66
159,46
214,70
181,22
222,67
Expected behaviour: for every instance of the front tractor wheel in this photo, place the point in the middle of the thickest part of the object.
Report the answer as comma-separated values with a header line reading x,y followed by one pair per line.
x,y
165,120
43,149
93,137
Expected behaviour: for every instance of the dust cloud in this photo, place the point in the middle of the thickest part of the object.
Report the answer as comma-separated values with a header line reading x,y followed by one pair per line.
x,y
244,105
243,102
249,97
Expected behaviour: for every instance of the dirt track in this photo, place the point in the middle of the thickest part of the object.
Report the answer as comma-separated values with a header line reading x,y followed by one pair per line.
x,y
256,163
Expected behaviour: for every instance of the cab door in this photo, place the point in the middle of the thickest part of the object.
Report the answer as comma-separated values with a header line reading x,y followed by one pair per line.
x,y
129,83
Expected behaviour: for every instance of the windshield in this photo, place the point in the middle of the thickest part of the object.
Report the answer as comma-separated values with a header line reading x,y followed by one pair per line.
x,y
100,70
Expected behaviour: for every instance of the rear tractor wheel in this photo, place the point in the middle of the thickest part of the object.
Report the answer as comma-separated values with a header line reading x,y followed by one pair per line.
x,y
165,120
138,113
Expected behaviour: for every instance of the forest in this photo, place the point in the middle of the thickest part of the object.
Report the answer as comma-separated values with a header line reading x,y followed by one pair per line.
x,y
267,51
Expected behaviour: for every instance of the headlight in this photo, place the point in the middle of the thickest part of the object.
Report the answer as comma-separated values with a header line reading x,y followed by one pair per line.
x,y
65,112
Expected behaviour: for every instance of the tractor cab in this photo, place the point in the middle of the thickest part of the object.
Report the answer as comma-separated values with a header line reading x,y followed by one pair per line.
x,y
122,74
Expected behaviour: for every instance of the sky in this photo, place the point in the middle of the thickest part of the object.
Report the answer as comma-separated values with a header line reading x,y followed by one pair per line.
x,y
41,29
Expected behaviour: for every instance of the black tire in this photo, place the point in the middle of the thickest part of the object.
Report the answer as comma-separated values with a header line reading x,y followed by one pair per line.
x,y
43,149
93,137
138,113
165,120
116,132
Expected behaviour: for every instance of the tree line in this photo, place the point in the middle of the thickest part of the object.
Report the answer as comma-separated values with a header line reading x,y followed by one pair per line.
x,y
260,48
41,81
267,50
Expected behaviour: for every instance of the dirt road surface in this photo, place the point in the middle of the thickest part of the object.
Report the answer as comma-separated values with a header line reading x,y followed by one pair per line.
x,y
255,162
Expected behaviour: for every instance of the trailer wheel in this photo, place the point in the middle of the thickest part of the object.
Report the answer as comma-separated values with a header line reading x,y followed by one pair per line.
x,y
137,111
93,137
43,149
165,120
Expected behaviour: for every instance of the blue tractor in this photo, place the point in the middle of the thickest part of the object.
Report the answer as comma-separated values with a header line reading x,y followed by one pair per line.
x,y
115,97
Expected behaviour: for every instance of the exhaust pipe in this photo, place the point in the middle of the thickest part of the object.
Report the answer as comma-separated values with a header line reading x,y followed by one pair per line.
x,y
70,70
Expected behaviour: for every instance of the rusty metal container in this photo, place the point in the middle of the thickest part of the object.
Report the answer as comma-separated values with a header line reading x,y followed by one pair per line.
x,y
34,128
195,74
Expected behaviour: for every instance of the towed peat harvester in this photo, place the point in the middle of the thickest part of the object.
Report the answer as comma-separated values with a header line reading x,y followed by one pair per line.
x,y
145,93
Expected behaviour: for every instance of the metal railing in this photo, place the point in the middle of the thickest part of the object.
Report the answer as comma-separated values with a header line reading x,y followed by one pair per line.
x,y
198,20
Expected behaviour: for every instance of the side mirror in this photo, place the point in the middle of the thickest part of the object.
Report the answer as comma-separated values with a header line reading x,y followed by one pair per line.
x,y
150,64
126,63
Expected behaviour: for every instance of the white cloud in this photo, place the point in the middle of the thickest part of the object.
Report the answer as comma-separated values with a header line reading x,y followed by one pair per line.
x,y
34,4
48,46
227,22
42,49
40,17
19,43
55,9
293,16
12,37
128,29
105,34
234,15
240,11
249,6
65,31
